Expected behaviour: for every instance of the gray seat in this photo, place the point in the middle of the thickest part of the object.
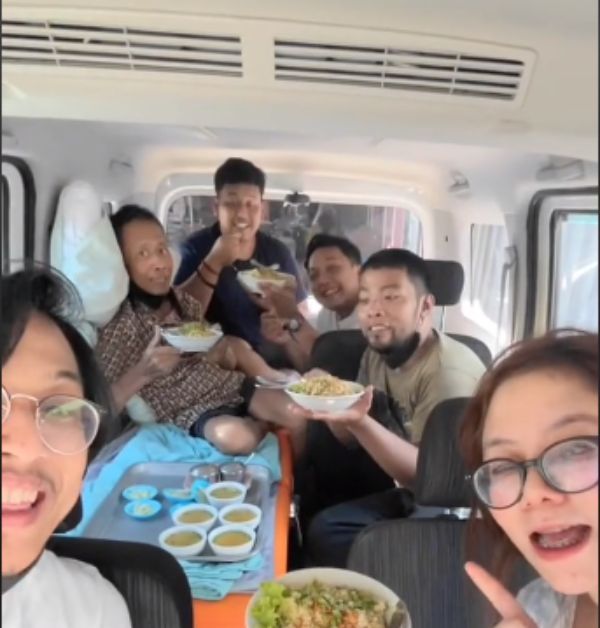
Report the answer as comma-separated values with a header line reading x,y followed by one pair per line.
x,y
440,479
421,558
477,346
422,561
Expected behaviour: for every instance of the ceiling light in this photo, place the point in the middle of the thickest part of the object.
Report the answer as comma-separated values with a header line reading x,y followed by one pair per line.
x,y
460,183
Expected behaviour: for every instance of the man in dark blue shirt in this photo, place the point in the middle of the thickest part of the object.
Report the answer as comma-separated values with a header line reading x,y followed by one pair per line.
x,y
212,257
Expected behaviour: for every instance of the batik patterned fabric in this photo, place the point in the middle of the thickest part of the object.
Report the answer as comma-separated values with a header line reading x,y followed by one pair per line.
x,y
193,387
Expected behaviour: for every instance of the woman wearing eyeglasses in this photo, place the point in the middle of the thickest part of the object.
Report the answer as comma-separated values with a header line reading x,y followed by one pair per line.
x,y
530,438
52,425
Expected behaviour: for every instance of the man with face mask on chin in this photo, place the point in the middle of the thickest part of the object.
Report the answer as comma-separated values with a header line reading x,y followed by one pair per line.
x,y
412,366
407,358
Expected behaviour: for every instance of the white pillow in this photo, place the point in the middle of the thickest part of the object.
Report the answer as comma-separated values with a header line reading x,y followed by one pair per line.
x,y
84,247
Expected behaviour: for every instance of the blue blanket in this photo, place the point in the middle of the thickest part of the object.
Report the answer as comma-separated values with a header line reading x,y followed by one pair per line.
x,y
162,443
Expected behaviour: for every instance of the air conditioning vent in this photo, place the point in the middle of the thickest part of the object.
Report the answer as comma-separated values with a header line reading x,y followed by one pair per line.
x,y
120,47
446,72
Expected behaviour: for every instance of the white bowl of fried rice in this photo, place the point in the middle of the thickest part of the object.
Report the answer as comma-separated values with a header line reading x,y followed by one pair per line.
x,y
325,393
195,337
252,279
325,597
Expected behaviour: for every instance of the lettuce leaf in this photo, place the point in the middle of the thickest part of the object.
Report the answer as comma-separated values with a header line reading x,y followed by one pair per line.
x,y
266,611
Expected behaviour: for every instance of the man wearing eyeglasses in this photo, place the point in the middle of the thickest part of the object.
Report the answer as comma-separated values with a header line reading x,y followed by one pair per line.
x,y
52,392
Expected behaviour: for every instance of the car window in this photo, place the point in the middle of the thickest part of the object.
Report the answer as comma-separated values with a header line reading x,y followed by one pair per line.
x,y
17,212
370,227
574,282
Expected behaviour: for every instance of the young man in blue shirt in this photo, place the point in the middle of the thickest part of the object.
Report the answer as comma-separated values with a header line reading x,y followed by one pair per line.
x,y
212,257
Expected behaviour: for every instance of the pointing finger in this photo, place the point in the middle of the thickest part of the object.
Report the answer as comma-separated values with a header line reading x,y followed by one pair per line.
x,y
501,599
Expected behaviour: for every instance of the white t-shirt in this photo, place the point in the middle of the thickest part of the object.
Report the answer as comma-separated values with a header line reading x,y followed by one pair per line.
x,y
63,593
546,607
328,320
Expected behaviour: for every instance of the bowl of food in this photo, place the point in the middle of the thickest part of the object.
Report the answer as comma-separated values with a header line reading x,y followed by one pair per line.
x,y
323,597
178,495
138,492
325,394
221,494
251,279
196,515
246,515
143,509
231,540
183,541
197,337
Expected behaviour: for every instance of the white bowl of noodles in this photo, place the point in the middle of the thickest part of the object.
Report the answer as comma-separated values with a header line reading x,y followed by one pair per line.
x,y
192,337
325,394
354,598
251,279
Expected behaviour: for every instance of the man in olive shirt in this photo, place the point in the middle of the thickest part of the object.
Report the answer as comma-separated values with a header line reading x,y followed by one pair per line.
x,y
411,367
441,368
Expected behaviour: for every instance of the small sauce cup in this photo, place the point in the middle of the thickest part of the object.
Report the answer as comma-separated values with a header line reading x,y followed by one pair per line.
x,y
246,537
174,541
224,494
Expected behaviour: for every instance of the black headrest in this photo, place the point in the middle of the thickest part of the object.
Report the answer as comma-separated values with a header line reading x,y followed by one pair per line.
x,y
440,479
447,281
339,352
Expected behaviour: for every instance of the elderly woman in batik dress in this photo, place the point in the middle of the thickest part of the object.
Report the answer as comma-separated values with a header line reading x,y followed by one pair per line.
x,y
213,395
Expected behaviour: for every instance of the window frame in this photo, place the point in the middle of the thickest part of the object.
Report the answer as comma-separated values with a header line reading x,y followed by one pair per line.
x,y
5,224
19,193
545,206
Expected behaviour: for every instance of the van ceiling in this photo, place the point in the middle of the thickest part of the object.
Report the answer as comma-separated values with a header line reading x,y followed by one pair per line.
x,y
514,75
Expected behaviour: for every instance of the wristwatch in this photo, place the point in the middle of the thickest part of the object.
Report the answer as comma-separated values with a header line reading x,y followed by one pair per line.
x,y
293,325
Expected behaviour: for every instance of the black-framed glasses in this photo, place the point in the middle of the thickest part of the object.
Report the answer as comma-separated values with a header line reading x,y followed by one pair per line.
x,y
569,466
67,425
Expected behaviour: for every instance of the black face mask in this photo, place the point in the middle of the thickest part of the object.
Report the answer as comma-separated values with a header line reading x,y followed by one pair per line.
x,y
138,295
398,353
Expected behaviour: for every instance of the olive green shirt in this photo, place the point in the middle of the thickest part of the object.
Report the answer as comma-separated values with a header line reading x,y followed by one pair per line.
x,y
447,369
